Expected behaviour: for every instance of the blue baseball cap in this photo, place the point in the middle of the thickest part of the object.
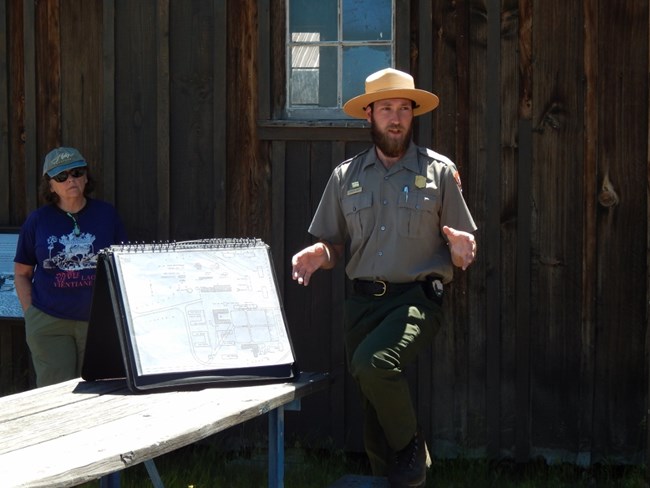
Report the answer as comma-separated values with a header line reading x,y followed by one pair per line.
x,y
62,159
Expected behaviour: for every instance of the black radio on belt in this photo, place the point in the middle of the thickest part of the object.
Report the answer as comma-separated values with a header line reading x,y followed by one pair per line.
x,y
434,289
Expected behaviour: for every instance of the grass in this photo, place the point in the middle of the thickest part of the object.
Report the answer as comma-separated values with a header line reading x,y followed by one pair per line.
x,y
206,466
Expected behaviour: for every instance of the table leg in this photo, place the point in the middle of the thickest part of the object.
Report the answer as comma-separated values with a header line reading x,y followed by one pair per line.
x,y
153,474
276,448
113,480
276,443
110,480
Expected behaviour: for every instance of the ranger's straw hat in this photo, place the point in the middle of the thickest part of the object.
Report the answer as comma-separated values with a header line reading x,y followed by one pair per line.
x,y
390,83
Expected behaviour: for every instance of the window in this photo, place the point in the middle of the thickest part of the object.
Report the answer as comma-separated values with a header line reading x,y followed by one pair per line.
x,y
332,46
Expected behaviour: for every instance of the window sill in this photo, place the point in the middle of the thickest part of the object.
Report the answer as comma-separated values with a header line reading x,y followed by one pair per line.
x,y
313,130
322,123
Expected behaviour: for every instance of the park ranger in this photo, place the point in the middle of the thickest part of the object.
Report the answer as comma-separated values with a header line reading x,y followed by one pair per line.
x,y
401,208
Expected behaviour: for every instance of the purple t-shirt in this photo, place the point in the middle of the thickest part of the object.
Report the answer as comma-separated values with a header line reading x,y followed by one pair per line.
x,y
65,255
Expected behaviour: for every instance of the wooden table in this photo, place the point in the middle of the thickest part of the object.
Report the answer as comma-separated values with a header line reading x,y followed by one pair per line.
x,y
76,431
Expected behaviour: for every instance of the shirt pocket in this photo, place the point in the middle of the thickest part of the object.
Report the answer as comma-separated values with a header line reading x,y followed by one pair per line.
x,y
416,211
358,213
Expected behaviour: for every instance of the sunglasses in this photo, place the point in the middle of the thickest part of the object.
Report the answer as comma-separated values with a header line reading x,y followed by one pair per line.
x,y
75,173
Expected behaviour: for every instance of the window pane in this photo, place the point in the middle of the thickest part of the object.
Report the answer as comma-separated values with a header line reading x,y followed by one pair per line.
x,y
305,56
332,46
313,83
367,20
358,63
314,16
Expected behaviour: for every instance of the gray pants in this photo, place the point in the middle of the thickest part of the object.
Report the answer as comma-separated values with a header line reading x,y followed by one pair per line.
x,y
382,336
57,346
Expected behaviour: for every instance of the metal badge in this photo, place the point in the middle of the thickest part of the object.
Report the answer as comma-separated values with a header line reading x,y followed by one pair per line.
x,y
420,181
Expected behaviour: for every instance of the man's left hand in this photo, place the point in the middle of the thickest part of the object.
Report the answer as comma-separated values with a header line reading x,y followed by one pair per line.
x,y
462,246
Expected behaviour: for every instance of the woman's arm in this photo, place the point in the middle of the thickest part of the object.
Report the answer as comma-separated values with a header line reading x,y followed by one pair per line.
x,y
23,274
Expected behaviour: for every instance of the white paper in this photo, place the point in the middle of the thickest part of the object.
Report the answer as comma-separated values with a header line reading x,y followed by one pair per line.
x,y
203,309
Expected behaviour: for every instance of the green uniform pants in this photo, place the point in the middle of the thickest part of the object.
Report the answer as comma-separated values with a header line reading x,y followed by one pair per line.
x,y
57,346
382,336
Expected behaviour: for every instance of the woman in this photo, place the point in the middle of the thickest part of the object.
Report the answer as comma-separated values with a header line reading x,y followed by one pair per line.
x,y
55,263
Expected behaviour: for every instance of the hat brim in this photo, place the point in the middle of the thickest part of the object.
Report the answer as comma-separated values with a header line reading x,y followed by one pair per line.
x,y
425,101
64,167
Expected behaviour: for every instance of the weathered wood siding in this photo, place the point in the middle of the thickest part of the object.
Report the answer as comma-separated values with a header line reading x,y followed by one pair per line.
x,y
544,108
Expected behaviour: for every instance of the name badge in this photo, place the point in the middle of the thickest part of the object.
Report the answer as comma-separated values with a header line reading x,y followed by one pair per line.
x,y
355,188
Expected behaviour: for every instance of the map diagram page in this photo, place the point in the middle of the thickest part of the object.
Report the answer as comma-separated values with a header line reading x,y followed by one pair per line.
x,y
202,309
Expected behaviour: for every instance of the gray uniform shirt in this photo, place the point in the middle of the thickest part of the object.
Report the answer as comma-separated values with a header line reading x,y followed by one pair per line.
x,y
394,217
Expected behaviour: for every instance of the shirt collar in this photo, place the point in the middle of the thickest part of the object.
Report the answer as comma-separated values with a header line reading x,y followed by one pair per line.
x,y
409,161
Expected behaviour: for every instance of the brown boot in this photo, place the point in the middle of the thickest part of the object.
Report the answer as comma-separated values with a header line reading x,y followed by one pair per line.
x,y
409,468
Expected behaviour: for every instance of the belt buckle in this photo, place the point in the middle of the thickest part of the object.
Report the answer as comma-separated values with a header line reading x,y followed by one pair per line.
x,y
382,292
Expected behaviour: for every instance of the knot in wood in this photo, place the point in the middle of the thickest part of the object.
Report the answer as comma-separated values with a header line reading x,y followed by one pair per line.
x,y
607,196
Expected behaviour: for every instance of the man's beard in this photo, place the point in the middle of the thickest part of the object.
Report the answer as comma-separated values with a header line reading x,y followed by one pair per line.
x,y
393,148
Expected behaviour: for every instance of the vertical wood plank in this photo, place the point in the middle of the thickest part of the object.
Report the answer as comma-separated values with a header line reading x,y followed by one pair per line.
x,y
8,362
277,154
514,210
32,172
16,372
277,80
337,364
647,300
298,212
523,221
16,66
556,227
135,117
447,414
198,104
492,223
108,99
249,196
402,35
81,81
589,233
467,110
5,170
423,72
163,114
220,120
458,368
522,356
462,80
324,337
48,77
264,60
621,232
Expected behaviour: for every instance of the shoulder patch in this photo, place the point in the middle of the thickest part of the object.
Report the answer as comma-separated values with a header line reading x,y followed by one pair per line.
x,y
434,156
444,161
457,178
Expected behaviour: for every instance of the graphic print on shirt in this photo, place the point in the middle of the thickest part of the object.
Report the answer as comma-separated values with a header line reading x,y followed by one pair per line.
x,y
71,252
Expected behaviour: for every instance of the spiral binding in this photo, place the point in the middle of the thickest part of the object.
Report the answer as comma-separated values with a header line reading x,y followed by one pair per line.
x,y
171,246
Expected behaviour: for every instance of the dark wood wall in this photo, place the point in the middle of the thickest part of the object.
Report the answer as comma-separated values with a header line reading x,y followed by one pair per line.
x,y
544,108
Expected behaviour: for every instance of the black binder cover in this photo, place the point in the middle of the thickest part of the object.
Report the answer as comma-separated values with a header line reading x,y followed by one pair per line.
x,y
187,313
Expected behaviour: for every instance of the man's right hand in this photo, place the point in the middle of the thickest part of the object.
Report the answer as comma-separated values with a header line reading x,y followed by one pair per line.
x,y
312,258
